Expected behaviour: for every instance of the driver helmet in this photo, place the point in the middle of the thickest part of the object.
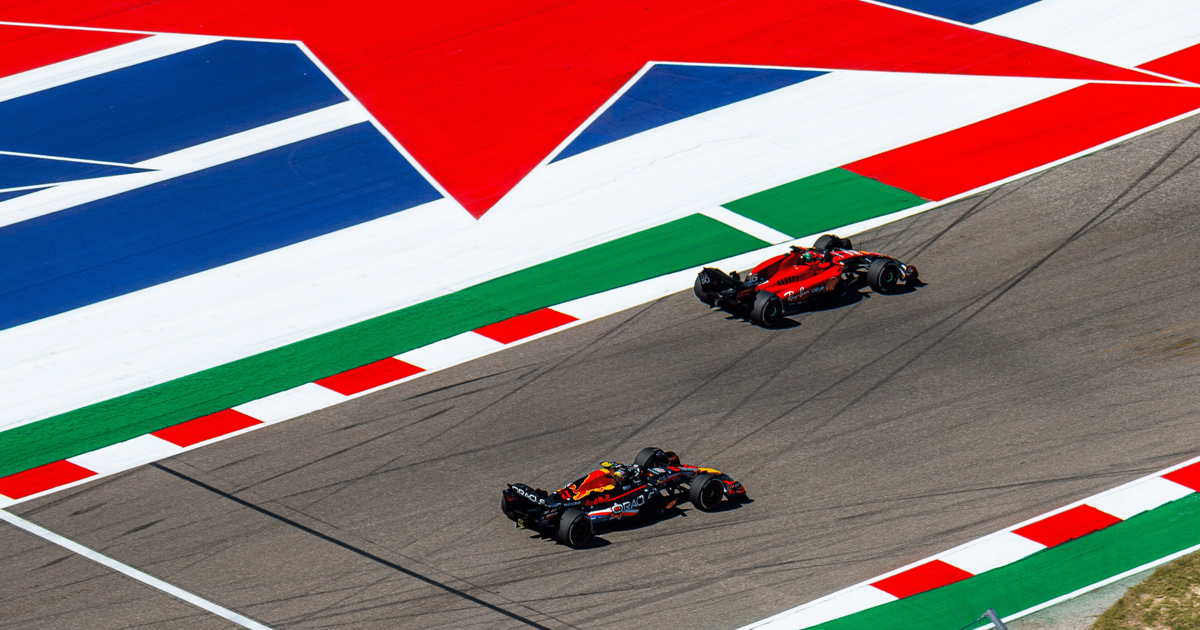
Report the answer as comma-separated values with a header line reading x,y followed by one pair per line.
x,y
615,470
808,257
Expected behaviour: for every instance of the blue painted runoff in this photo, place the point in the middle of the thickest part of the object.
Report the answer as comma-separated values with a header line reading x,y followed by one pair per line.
x,y
13,194
167,104
965,11
19,170
113,246
667,93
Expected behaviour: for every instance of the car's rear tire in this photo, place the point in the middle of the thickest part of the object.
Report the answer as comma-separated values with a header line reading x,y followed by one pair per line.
x,y
767,310
574,528
706,492
650,457
827,242
704,296
883,274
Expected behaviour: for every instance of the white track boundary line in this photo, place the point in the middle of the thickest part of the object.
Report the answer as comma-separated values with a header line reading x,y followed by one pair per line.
x,y
144,578
195,158
64,27
975,27
760,231
97,63
59,158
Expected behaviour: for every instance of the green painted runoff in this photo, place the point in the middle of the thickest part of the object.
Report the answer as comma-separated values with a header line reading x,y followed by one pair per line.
x,y
822,202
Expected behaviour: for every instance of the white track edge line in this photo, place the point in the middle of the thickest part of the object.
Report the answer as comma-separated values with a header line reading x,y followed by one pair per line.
x,y
760,231
64,27
973,27
129,571
96,63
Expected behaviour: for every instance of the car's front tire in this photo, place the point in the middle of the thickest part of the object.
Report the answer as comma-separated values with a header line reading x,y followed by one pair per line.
x,y
883,274
767,310
706,492
574,528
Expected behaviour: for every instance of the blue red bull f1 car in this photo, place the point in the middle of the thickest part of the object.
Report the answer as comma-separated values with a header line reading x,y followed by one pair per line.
x,y
616,493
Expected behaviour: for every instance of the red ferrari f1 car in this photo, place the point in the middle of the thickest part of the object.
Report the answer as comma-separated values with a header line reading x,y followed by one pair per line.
x,y
831,267
617,493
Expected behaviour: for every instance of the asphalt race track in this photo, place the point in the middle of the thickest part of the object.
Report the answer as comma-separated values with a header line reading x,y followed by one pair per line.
x,y
1053,354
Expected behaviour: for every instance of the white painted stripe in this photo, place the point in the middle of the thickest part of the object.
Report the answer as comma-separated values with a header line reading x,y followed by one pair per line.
x,y
19,188
208,319
707,160
99,62
451,351
291,403
1116,31
1138,497
736,221
137,32
184,161
59,158
144,578
991,552
616,300
828,608
125,455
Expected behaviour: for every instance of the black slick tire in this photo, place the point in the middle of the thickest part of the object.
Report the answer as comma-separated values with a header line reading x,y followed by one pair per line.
x,y
767,309
706,492
883,274
649,457
574,528
827,242
701,294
